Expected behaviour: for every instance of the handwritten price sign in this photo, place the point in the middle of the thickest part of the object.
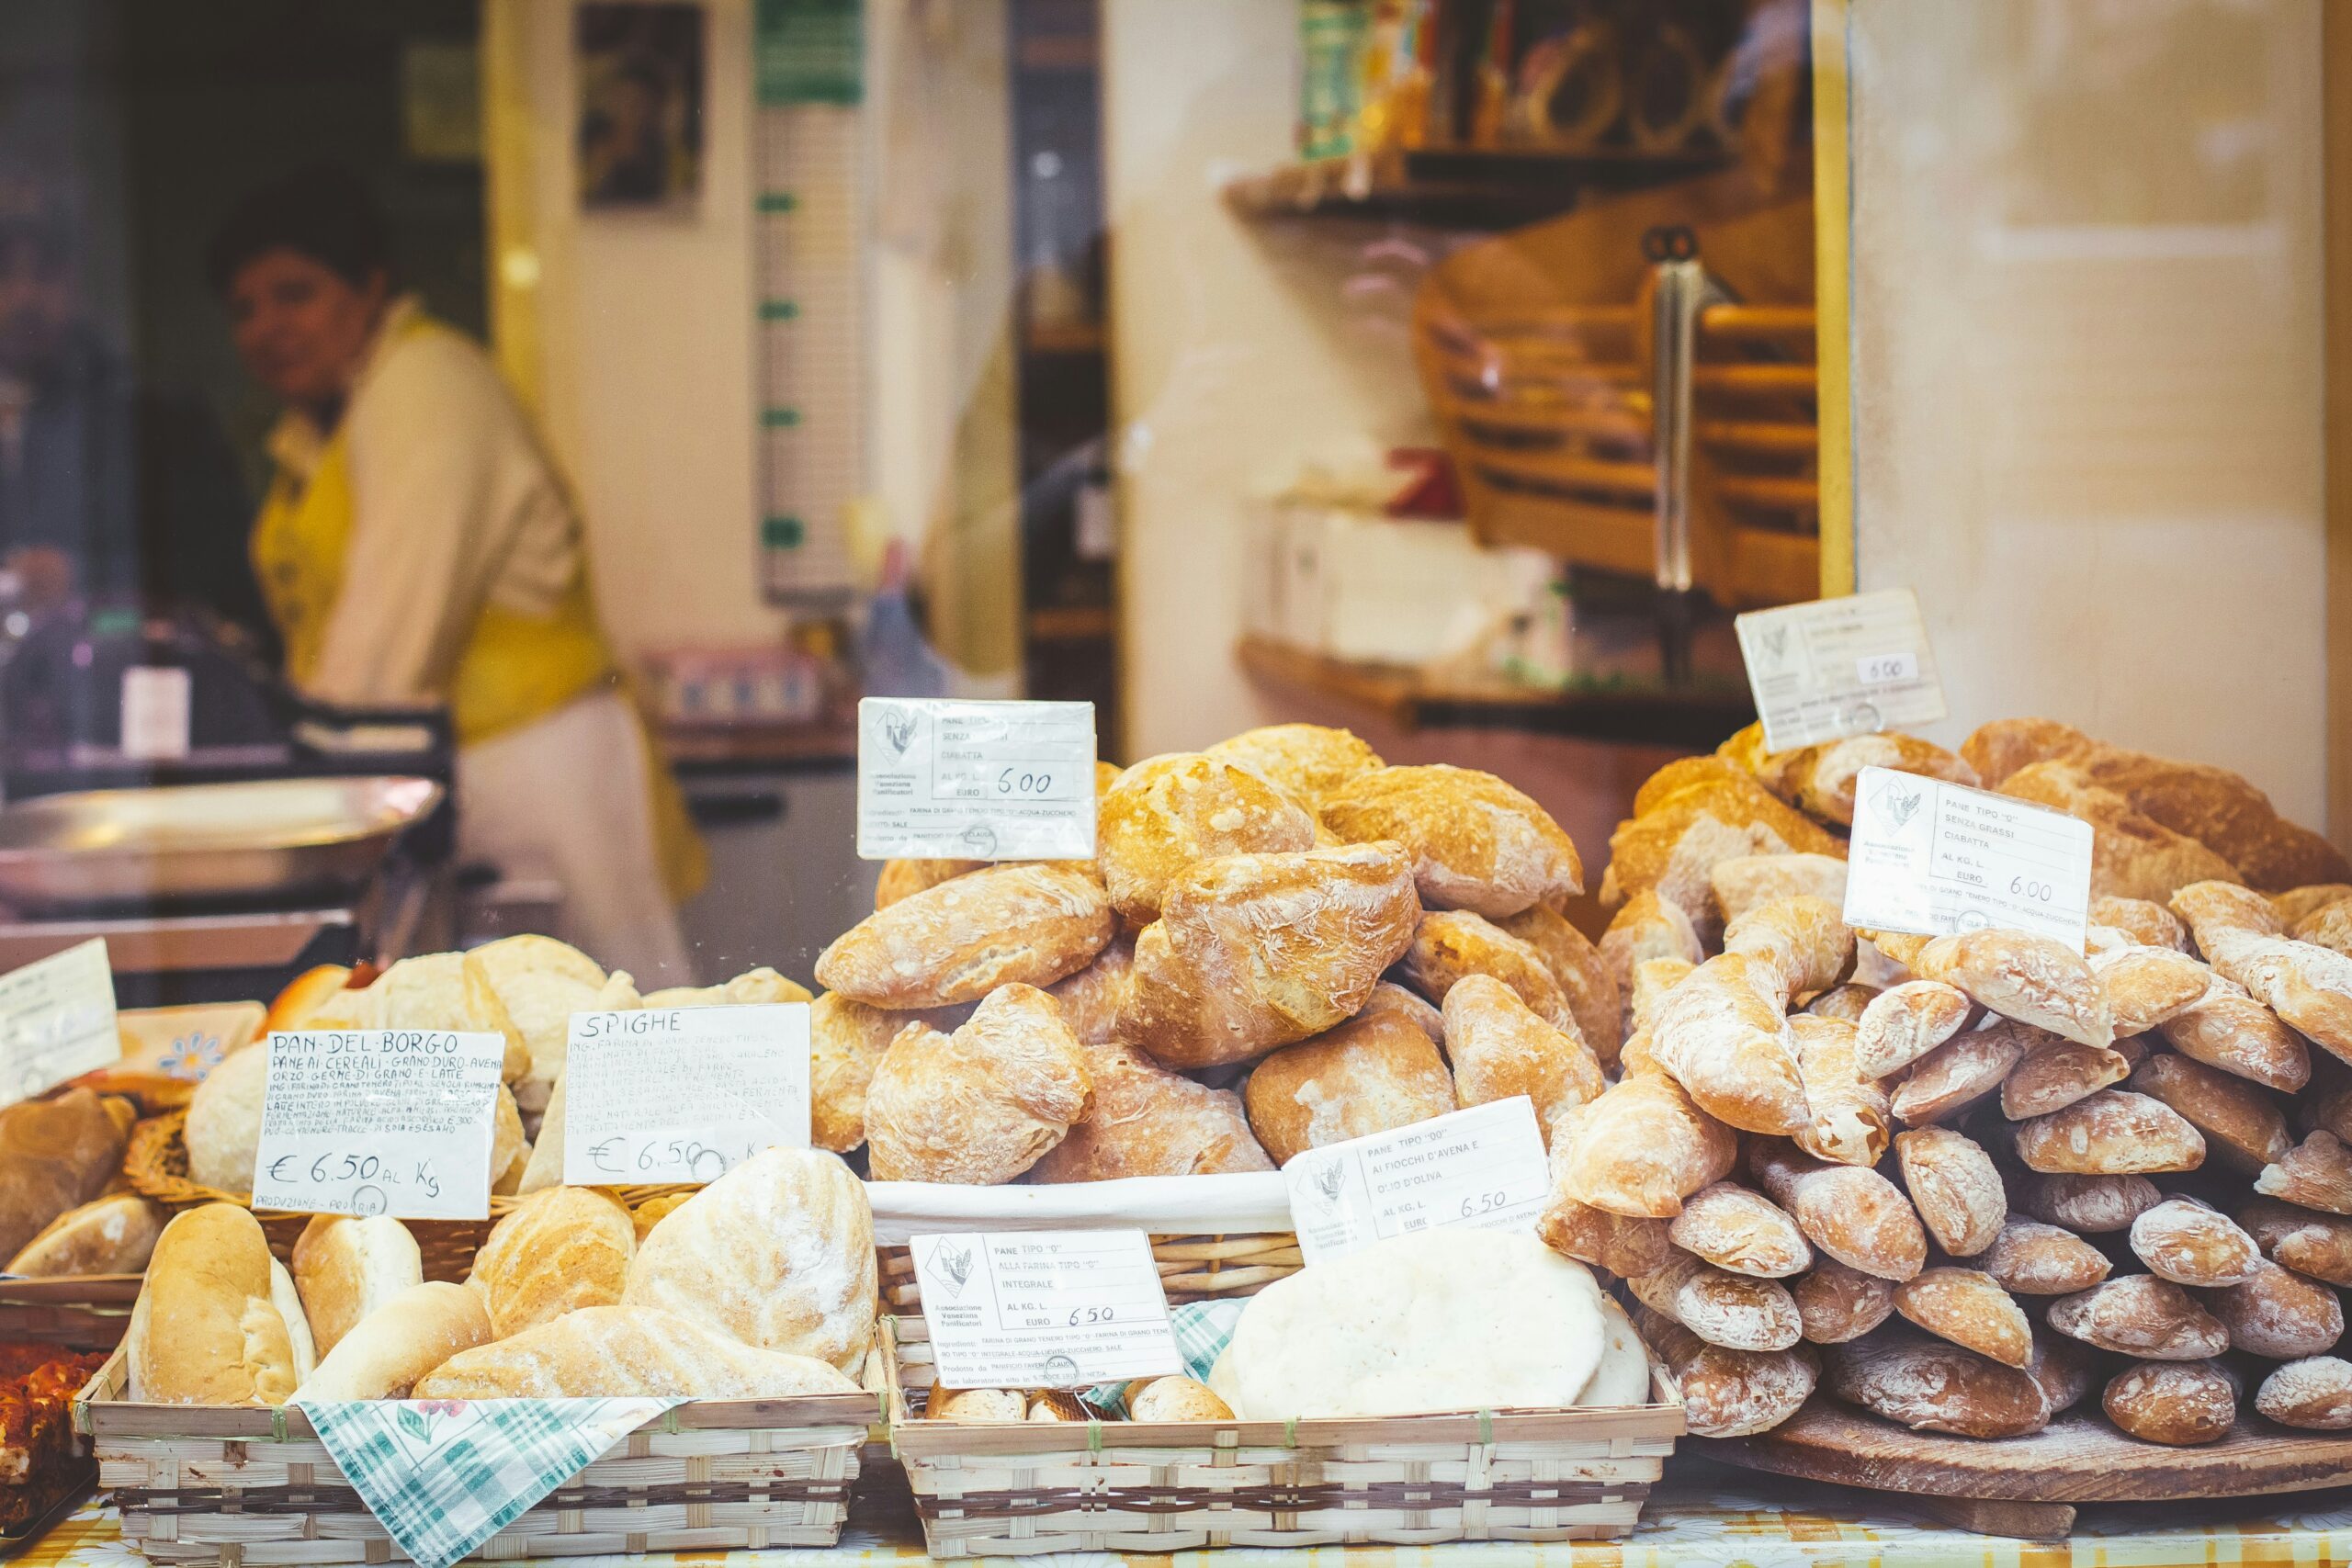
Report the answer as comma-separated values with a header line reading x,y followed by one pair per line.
x,y
379,1121
683,1094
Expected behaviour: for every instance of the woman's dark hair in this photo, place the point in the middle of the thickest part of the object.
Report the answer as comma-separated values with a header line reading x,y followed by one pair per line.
x,y
324,213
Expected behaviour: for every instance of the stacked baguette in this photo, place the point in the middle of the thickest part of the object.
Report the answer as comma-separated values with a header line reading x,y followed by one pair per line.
x,y
1964,1182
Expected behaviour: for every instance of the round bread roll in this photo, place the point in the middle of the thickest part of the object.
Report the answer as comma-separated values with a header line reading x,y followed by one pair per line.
x,y
1306,760
206,1329
1836,1302
1056,1405
2180,1402
1367,1076
2031,1258
1169,813
1476,843
401,1341
1965,1306
1177,1399
2140,1316
115,1235
560,1250
223,1130
2189,1243
346,1268
2314,1393
976,1407
2280,1315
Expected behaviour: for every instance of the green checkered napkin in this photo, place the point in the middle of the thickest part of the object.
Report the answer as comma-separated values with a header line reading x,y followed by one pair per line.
x,y
1202,1330
443,1475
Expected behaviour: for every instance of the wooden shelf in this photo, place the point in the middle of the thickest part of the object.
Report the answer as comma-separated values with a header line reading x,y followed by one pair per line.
x,y
1072,623
1500,189
1084,337
1698,718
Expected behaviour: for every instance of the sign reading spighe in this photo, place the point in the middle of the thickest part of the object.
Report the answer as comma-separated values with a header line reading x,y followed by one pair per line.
x,y
682,1094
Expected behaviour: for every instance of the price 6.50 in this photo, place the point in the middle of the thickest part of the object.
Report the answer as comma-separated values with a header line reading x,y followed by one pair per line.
x,y
1080,1316
2021,887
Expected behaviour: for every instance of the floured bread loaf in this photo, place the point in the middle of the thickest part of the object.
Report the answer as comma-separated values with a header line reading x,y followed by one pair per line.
x,y
618,1352
1453,1319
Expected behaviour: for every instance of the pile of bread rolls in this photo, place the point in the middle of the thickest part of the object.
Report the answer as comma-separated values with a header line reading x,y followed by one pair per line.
x,y
759,1285
1962,1182
60,1165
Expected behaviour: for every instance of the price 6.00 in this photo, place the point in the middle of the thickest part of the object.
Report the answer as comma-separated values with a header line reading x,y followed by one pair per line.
x,y
1013,780
2037,891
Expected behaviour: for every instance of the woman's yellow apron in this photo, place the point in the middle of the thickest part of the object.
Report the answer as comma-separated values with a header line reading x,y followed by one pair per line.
x,y
515,668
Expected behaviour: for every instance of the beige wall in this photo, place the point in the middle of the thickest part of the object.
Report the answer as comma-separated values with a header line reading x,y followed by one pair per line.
x,y
2086,350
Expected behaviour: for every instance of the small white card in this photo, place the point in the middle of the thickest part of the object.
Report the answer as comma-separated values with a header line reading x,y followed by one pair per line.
x,y
1940,858
155,706
57,1020
1839,667
682,1094
941,779
1482,1167
1044,1309
395,1121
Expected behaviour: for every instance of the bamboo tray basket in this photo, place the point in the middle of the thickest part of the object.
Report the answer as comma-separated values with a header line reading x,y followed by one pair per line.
x,y
227,1486
1163,1487
1191,1268
156,1163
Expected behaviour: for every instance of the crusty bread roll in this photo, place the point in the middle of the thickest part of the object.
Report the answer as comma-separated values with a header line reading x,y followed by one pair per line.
x,y
1954,1186
1820,780
114,1235
1739,1229
1932,1385
2314,1393
2140,1314
2240,1125
653,1211
2087,1205
1414,1009
1836,1304
224,1128
1023,922
611,1352
904,878
398,1342
2279,1314
1584,976
2191,1244
1056,1405
2145,986
2314,1174
1852,1214
346,1268
2031,1258
1725,1393
846,1041
1090,1000
206,1329
1150,1121
1703,796
1645,927
1501,1048
2055,1073
976,1407
2330,928
1962,1070
1169,813
1475,843
1722,1035
1801,942
1736,1311
2180,1402
1367,1076
2017,974
2146,921
1623,1244
1852,1117
2222,811
1903,1023
1742,882
558,1250
980,1107
1968,1307
1254,951
777,1253
2309,1242
1450,944
1640,1149
1306,761
1177,1399
2113,1133
541,982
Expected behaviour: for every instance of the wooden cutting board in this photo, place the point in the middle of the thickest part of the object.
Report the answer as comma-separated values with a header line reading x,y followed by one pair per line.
x,y
2029,1487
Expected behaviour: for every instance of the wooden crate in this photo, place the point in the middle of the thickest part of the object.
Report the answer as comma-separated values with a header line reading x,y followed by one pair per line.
x,y
1405,1481
224,1486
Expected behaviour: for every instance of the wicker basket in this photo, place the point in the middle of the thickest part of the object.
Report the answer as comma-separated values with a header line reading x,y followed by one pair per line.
x,y
229,1486
156,1166
1191,1268
1405,1481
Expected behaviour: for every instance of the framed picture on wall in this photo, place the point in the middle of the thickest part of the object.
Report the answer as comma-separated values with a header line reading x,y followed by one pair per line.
x,y
640,129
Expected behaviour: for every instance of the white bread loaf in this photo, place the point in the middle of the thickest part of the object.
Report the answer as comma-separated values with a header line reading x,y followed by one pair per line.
x,y
224,1120
289,1302
615,1352
114,1235
560,1250
398,1342
347,1268
778,1253
206,1330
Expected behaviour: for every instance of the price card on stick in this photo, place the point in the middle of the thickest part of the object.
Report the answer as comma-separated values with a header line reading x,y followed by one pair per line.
x,y
395,1121
682,1094
1940,859
1481,1167
949,780
1840,667
56,1021
1044,1309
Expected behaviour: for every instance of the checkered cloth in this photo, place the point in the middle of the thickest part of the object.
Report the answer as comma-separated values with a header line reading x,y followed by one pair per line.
x,y
443,1475
1202,1330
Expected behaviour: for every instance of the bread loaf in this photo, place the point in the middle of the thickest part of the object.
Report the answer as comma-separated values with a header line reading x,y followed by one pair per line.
x,y
905,878
1390,997
1645,927
1475,843
1451,944
1836,1304
2279,1314
2191,1244
2314,1244
1501,1048
2314,1393
388,1350
1365,1077
2055,1073
1802,942
1903,1023
2000,748
1852,1117
2132,855
1306,761
2145,986
1961,1071
846,1042
2314,1174
2035,1260
2330,928
778,1253
2146,921
1091,1000
2298,903
980,1107
2239,1125
1023,922
1955,1186
1253,952
2179,1403
1968,1307
1150,1121
1730,1393
976,1407
2141,1314
541,982
205,1329
1584,975
754,987
224,1128
2222,811
1930,1386
1738,1312
1848,1003
1623,1244
54,1154
1166,814
1742,882
1640,1149
1723,1038
2113,1133
1675,798
2087,1205
1738,1229
114,1235
346,1268
2229,1029
1820,779
1855,1215
2029,978
618,1353
555,1252
1178,1399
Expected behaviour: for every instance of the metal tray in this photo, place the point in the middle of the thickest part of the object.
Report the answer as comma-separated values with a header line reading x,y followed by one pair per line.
x,y
194,842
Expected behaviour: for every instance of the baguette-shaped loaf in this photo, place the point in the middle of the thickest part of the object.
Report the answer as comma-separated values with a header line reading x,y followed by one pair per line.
x,y
2308,1241
1640,1149
1722,1037
622,1351
1585,976
1501,1048
1954,1186
401,1341
1836,1304
1451,944
2141,1314
2314,1174
2279,1315
2113,1133
1473,842
2240,1125
1852,1117
1166,814
1738,1312
1030,922
1739,1229
1968,1307
2031,1258
1854,1215
1903,1022
2179,1403
2192,1243
1802,942
1725,1393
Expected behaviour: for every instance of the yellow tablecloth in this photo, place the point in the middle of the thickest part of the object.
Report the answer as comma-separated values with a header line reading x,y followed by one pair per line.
x,y
1703,1516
